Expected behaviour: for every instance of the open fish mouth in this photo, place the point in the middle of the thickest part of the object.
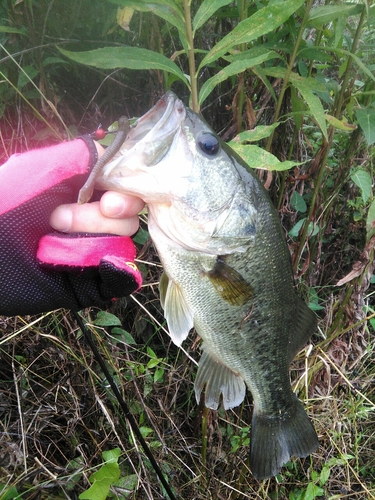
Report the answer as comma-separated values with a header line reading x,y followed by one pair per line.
x,y
152,134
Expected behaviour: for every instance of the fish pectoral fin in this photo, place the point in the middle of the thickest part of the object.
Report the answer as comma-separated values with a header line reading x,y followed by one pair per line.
x,y
219,380
229,284
177,312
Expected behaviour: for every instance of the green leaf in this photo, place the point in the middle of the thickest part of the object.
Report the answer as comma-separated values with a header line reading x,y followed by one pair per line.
x,y
105,318
233,69
126,57
366,120
102,481
314,300
206,10
307,87
104,478
297,202
141,237
158,375
126,337
53,60
256,134
370,221
257,157
313,229
324,14
262,22
128,483
346,54
8,493
111,456
363,180
145,431
28,73
8,29
151,353
313,491
340,124
153,362
298,107
324,475
166,9
314,54
248,54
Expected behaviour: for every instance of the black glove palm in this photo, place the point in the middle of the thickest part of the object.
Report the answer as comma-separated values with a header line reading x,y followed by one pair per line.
x,y
41,270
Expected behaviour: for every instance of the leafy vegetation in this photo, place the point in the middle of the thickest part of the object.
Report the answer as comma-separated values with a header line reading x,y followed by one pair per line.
x,y
292,84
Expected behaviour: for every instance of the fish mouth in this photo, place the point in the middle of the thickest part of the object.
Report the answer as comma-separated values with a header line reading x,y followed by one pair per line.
x,y
148,142
152,134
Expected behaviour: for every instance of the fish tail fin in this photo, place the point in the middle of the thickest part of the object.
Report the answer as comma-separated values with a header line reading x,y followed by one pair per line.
x,y
275,439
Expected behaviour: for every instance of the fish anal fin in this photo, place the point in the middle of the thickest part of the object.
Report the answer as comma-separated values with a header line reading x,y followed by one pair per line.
x,y
177,312
275,439
229,283
304,328
220,381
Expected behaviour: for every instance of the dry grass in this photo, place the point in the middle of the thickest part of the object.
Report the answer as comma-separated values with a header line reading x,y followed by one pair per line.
x,y
58,414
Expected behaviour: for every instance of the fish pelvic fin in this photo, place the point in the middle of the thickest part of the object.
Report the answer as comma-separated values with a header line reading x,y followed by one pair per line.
x,y
305,327
177,312
219,381
275,439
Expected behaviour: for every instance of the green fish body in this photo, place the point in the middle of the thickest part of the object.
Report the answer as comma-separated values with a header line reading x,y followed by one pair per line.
x,y
227,272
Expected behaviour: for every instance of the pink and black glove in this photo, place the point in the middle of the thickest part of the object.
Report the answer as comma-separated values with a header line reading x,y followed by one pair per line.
x,y
42,270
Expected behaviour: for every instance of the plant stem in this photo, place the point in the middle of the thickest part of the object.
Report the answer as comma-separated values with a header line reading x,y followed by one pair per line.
x,y
242,9
240,101
340,100
326,146
289,70
204,435
191,57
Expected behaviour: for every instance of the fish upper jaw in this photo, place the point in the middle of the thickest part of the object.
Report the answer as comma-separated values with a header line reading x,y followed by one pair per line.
x,y
151,135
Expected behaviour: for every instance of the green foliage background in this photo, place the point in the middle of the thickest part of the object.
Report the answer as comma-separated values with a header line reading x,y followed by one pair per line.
x,y
291,84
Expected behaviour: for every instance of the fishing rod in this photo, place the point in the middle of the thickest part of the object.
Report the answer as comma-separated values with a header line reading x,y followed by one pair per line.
x,y
123,405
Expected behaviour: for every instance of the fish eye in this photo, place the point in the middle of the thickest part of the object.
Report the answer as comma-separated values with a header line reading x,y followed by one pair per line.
x,y
208,143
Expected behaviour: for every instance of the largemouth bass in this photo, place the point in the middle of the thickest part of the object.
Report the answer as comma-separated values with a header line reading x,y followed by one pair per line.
x,y
227,272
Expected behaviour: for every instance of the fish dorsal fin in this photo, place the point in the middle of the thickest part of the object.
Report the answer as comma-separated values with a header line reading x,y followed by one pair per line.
x,y
219,380
305,327
229,284
177,312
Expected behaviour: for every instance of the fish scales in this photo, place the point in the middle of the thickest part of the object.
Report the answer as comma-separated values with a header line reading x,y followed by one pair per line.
x,y
227,272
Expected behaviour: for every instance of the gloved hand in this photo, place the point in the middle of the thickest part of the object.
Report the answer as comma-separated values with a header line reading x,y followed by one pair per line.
x,y
42,270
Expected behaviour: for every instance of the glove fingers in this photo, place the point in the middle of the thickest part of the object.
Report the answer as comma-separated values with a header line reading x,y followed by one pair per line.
x,y
108,258
119,279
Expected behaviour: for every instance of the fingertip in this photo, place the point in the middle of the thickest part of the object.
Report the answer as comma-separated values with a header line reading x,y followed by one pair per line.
x,y
118,205
112,204
61,219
